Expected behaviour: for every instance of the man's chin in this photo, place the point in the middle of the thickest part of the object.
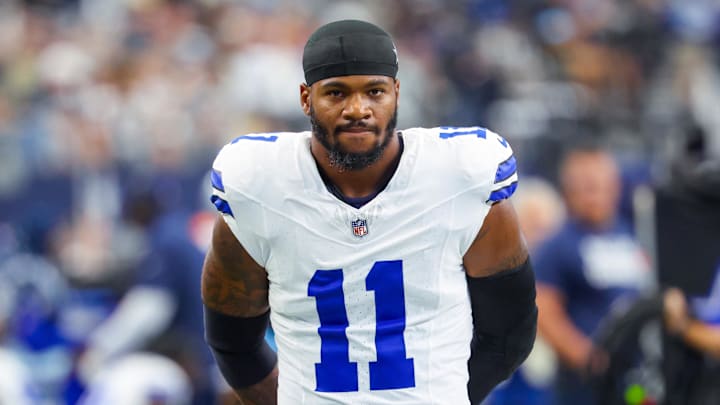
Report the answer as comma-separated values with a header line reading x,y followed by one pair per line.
x,y
355,159
357,149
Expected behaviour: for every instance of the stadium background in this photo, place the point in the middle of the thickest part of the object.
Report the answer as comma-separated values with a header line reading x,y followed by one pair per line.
x,y
111,112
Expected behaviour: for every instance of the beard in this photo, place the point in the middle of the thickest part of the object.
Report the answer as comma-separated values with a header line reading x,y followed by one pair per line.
x,y
344,160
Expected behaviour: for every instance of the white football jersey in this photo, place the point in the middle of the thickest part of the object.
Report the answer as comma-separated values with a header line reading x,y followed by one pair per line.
x,y
368,305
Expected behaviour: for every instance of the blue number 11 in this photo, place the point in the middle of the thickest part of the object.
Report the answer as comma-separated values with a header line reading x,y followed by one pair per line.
x,y
335,372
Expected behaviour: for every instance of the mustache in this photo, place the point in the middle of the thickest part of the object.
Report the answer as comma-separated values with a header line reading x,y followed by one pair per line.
x,y
356,125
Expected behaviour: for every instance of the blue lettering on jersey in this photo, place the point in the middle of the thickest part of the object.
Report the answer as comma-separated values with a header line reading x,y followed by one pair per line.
x,y
264,138
392,370
451,132
335,372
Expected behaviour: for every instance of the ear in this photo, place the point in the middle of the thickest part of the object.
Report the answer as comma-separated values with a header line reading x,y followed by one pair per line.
x,y
397,90
305,98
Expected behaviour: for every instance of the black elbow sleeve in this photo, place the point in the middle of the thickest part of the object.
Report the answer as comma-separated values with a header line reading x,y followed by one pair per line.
x,y
504,326
239,347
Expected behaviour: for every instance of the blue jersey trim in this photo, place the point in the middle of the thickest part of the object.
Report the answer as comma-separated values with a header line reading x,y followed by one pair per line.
x,y
452,132
264,138
506,169
221,205
216,180
503,193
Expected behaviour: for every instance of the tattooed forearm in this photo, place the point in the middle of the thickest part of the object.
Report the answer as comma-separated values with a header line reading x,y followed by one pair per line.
x,y
232,282
232,295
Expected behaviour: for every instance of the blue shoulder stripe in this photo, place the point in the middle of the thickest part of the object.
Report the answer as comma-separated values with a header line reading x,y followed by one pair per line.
x,y
502,193
216,180
221,205
452,132
506,169
264,138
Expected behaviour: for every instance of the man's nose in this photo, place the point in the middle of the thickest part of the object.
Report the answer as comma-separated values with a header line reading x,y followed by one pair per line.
x,y
357,108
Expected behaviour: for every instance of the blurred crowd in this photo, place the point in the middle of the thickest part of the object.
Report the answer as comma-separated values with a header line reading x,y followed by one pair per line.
x,y
111,112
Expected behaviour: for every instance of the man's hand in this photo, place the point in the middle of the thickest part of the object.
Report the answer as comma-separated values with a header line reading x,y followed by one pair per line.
x,y
597,362
676,314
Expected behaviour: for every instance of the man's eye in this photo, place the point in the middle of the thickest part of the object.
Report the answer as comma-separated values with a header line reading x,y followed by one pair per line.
x,y
335,93
377,92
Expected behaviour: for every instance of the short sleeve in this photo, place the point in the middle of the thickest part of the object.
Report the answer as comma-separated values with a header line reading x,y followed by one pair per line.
x,y
232,197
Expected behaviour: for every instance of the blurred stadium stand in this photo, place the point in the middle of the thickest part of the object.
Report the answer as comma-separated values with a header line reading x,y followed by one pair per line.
x,y
98,96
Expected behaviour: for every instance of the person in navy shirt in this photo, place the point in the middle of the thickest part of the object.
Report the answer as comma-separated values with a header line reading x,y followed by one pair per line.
x,y
590,263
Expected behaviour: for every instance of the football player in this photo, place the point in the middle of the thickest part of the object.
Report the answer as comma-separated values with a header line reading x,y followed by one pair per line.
x,y
389,262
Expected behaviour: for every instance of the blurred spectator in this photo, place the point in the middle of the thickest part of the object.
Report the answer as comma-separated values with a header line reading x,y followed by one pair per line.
x,y
695,323
591,261
140,379
162,311
16,386
691,267
33,292
540,210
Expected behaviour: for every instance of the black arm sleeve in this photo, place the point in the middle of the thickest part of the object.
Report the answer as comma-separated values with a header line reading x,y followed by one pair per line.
x,y
504,324
239,347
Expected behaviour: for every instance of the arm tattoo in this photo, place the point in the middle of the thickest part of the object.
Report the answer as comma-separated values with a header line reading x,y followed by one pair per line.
x,y
232,283
518,257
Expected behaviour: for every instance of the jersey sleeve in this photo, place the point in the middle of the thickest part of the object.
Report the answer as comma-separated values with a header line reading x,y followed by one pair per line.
x,y
232,196
503,161
475,165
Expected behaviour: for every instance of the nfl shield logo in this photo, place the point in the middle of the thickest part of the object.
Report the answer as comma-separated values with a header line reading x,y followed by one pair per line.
x,y
359,227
